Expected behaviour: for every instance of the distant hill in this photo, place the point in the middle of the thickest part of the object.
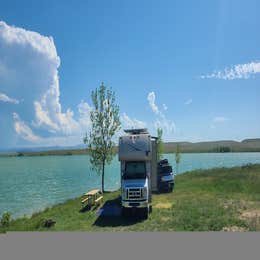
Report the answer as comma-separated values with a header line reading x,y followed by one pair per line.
x,y
255,140
247,145
41,149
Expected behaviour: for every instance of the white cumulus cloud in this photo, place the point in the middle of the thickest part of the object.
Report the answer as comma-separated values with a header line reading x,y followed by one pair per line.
x,y
24,130
239,71
84,110
167,125
128,122
29,66
161,121
165,107
151,100
5,98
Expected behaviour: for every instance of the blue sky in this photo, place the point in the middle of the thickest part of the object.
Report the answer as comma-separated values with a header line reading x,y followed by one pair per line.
x,y
190,67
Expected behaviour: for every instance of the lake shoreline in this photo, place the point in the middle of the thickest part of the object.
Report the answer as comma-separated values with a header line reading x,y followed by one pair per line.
x,y
203,200
83,152
222,146
29,184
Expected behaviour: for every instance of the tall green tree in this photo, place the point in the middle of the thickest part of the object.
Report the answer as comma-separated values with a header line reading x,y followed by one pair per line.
x,y
160,143
177,156
105,122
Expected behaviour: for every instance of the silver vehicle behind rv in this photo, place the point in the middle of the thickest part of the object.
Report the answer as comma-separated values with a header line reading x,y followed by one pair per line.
x,y
138,157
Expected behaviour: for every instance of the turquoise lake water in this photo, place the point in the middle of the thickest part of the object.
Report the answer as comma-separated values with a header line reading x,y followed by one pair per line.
x,y
30,184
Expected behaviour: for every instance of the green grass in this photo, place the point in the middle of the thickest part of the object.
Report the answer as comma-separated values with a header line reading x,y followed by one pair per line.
x,y
203,200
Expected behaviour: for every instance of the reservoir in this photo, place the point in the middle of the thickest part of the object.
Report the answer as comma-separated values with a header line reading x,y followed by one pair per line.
x,y
30,184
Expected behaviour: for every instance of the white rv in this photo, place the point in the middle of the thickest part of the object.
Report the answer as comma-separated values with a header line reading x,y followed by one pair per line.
x,y
138,157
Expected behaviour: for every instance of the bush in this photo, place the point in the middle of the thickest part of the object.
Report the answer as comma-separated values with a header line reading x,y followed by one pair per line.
x,y
5,220
45,223
247,166
222,149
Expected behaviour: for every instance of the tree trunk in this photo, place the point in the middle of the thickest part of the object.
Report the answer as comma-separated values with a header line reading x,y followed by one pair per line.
x,y
103,175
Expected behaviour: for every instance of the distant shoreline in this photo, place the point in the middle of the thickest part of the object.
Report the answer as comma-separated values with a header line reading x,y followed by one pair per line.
x,y
214,202
247,145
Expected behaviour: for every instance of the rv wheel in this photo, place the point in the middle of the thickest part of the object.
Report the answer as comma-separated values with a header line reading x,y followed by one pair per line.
x,y
145,213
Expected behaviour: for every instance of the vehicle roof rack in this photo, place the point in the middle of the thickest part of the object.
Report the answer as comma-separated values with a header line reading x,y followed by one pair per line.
x,y
136,131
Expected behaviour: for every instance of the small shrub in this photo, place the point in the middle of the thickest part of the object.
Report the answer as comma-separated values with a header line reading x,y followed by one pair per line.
x,y
45,223
5,220
247,166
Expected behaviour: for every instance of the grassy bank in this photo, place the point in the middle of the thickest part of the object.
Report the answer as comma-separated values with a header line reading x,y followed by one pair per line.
x,y
203,200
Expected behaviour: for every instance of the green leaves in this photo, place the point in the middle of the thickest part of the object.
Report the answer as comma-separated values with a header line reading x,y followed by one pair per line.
x,y
6,219
105,123
160,143
177,154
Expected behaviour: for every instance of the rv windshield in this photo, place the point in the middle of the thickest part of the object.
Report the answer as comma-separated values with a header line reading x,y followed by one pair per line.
x,y
135,170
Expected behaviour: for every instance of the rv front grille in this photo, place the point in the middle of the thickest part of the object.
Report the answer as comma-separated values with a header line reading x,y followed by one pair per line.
x,y
134,193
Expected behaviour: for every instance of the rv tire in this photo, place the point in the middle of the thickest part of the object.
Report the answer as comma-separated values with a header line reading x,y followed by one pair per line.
x,y
145,212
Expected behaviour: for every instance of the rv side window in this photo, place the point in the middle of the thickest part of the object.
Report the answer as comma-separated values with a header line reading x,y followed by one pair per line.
x,y
135,170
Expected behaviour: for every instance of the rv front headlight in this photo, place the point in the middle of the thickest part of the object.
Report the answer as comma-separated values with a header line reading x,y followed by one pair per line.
x,y
124,193
144,193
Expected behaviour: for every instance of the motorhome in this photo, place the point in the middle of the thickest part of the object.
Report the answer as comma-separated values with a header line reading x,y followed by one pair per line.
x,y
138,157
141,173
